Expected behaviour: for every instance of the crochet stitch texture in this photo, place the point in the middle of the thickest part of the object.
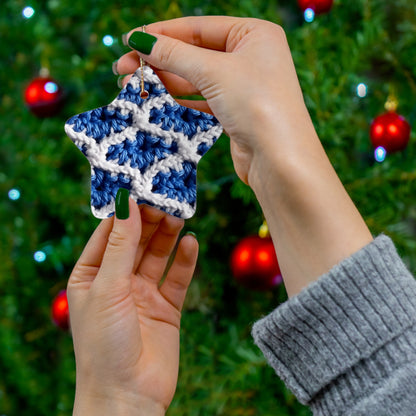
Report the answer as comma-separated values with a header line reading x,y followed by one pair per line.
x,y
149,146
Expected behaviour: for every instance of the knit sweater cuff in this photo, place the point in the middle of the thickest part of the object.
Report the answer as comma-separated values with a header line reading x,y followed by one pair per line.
x,y
353,314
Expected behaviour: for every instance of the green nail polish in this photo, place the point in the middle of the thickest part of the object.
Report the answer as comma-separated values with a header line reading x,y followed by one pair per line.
x,y
114,67
142,42
122,204
120,81
191,233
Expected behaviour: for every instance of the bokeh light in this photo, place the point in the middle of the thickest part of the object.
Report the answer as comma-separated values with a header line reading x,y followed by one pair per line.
x,y
362,90
28,12
380,154
40,256
309,15
108,40
14,194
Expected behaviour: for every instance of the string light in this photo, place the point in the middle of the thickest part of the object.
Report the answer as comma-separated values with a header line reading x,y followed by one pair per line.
x,y
39,256
108,40
380,154
14,194
28,12
362,90
309,15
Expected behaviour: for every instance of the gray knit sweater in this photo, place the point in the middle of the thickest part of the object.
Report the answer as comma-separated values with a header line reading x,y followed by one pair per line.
x,y
346,345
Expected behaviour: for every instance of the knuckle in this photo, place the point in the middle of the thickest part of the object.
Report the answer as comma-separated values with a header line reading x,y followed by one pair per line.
x,y
117,240
280,32
167,54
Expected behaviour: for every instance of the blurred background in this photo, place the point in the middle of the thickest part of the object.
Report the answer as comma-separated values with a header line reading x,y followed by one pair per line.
x,y
352,58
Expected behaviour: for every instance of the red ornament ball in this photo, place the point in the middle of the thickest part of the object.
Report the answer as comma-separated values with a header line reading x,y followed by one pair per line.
x,y
60,311
390,131
318,6
254,263
43,96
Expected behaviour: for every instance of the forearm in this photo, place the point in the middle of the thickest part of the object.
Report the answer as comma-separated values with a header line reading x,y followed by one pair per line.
x,y
313,222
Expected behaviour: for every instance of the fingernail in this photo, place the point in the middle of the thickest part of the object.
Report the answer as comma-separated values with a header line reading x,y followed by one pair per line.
x,y
191,233
142,42
122,204
114,67
124,39
120,81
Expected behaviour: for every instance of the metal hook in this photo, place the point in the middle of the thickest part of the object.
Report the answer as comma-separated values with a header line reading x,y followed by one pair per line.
x,y
143,93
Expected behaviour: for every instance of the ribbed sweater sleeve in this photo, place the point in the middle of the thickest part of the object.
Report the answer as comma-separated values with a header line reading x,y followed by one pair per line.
x,y
346,345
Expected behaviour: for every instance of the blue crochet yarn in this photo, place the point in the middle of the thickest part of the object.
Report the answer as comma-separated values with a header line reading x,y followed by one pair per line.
x,y
181,119
150,146
104,187
100,122
132,94
177,184
142,152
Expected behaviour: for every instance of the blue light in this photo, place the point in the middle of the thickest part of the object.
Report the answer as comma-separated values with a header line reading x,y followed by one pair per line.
x,y
380,154
14,194
362,90
309,15
40,256
28,12
108,40
51,87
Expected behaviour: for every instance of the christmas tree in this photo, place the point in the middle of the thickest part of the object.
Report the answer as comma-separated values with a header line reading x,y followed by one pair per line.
x,y
350,60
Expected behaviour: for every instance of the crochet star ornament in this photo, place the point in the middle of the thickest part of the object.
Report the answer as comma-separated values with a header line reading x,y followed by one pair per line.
x,y
150,146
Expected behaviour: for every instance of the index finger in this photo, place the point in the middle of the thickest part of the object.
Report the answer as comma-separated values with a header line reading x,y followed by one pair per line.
x,y
209,32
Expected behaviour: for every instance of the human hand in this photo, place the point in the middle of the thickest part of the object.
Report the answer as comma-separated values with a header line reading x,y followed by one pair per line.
x,y
244,70
124,321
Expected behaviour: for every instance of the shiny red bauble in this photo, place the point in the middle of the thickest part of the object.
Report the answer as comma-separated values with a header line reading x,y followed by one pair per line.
x,y
254,263
60,310
390,131
318,6
44,97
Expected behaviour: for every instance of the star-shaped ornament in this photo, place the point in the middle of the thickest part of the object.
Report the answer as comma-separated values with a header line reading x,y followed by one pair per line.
x,y
150,146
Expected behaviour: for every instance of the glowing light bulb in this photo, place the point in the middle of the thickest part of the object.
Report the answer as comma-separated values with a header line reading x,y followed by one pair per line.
x,y
108,40
14,194
40,256
362,90
380,154
309,15
28,12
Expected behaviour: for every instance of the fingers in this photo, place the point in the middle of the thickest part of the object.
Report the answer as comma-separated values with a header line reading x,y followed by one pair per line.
x,y
168,54
120,252
92,254
176,85
200,105
180,274
151,218
158,249
209,32
86,268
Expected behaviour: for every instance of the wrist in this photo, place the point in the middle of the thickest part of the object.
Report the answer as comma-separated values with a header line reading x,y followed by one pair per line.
x,y
312,220
284,152
113,404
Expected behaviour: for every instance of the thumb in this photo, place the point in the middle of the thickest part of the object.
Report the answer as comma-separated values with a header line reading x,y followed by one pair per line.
x,y
173,55
123,240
